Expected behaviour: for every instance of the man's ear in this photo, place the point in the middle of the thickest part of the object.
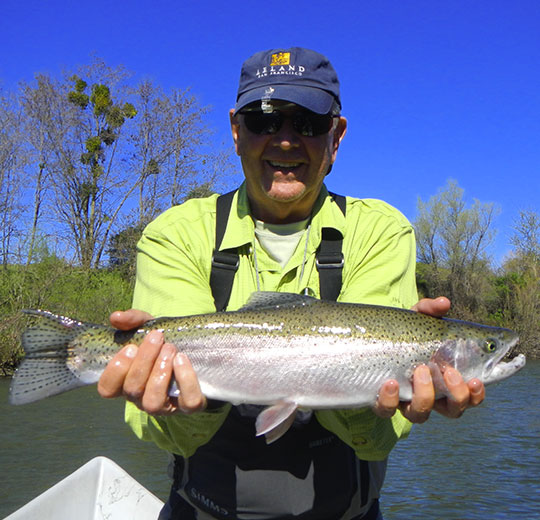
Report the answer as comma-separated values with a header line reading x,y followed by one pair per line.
x,y
339,134
235,129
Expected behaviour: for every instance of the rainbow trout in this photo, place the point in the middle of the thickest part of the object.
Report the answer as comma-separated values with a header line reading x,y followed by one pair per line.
x,y
280,350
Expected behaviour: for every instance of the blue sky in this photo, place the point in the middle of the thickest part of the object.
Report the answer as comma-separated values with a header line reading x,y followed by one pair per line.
x,y
432,90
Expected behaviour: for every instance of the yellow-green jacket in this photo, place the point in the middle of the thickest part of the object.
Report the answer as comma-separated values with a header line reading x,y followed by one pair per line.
x,y
173,272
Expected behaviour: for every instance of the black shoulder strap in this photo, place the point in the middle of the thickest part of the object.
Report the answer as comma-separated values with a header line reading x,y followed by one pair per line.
x,y
224,263
329,258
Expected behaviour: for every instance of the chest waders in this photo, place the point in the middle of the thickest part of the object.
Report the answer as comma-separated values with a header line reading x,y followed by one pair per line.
x,y
308,474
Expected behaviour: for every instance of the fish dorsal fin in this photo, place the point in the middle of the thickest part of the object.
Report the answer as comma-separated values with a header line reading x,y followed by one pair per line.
x,y
271,300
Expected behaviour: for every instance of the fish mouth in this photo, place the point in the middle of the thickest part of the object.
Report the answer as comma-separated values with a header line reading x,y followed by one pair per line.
x,y
503,370
496,365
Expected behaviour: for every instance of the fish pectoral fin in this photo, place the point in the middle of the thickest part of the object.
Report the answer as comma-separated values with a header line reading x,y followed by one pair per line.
x,y
274,421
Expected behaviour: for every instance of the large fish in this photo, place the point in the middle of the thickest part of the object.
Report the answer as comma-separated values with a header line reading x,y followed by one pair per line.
x,y
280,350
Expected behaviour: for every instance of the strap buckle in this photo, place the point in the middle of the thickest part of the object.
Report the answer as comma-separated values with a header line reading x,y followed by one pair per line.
x,y
330,261
225,260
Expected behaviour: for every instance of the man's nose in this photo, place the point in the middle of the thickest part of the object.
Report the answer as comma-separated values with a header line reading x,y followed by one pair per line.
x,y
287,137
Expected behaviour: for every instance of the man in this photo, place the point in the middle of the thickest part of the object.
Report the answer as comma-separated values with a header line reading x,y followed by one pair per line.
x,y
287,129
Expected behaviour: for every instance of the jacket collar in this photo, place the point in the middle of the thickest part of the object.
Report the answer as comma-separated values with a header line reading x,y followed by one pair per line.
x,y
241,229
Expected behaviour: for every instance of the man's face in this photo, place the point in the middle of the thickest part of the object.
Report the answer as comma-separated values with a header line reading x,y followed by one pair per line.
x,y
285,170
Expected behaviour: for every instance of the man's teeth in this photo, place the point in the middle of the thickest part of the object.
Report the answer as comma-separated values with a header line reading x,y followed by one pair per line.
x,y
283,165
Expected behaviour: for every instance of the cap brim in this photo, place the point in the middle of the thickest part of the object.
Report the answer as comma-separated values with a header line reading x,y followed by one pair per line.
x,y
312,98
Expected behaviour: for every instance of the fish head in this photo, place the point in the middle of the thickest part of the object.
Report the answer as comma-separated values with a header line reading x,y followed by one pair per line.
x,y
493,347
474,350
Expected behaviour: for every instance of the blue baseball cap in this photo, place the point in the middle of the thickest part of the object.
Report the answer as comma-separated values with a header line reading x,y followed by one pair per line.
x,y
296,75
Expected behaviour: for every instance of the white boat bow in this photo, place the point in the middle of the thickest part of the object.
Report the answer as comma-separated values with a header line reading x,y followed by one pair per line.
x,y
98,490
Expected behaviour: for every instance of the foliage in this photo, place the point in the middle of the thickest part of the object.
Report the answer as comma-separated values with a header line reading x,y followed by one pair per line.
x,y
452,240
123,250
204,190
518,287
80,156
52,284
91,180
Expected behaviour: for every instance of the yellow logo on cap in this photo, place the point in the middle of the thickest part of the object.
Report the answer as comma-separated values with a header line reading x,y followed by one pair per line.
x,y
281,58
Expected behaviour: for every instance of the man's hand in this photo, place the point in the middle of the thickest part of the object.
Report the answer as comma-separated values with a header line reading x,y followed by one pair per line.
x,y
143,374
463,395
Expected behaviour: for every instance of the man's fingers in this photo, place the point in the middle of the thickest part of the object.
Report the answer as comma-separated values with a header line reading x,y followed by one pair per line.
x,y
191,398
455,404
143,375
156,399
388,399
130,319
139,372
111,382
418,410
437,307
463,395
478,392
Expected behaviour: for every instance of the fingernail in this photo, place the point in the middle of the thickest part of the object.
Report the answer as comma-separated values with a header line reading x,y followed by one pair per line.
x,y
476,387
130,351
179,359
155,337
424,375
391,388
453,377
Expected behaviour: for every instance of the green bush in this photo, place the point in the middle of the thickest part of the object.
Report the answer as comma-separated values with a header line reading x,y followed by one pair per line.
x,y
53,285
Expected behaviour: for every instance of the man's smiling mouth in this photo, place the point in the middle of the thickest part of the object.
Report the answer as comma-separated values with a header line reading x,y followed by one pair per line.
x,y
278,164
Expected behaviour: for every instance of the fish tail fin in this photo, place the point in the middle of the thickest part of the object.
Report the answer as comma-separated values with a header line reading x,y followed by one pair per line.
x,y
44,371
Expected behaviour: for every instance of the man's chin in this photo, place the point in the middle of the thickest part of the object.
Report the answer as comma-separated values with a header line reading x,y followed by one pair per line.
x,y
286,195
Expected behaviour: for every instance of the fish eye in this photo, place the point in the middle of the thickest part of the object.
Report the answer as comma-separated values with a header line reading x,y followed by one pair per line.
x,y
490,345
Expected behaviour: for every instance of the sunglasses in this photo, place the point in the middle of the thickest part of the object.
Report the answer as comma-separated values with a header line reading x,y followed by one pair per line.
x,y
305,122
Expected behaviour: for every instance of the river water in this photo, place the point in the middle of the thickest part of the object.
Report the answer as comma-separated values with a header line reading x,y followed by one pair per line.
x,y
485,465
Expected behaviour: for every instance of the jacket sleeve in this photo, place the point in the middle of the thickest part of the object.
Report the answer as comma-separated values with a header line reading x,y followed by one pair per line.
x,y
180,434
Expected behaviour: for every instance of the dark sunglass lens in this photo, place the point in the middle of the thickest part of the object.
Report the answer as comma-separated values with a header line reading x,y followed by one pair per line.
x,y
261,123
305,123
310,125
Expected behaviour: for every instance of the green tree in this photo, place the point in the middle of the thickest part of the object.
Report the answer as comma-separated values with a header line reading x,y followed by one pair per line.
x,y
518,287
122,250
452,240
91,178
203,190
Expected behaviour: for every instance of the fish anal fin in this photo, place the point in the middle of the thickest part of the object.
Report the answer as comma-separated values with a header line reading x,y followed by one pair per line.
x,y
274,421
